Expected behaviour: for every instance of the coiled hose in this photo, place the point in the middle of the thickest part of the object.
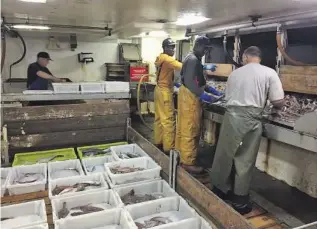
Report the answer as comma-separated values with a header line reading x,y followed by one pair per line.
x,y
139,103
283,52
228,54
16,33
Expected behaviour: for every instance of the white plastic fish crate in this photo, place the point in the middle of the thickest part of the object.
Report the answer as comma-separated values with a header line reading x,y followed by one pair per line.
x,y
174,208
39,226
16,189
131,148
69,181
37,92
92,87
89,162
151,171
116,86
92,198
5,174
33,208
60,165
66,88
112,219
150,188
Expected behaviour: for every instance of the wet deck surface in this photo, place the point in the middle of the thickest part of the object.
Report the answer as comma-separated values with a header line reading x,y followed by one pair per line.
x,y
291,200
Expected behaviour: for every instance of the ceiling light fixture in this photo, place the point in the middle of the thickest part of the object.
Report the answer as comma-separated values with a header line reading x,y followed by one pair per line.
x,y
34,1
36,27
190,19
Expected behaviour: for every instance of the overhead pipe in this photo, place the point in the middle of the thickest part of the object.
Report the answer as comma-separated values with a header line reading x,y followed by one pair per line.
x,y
249,24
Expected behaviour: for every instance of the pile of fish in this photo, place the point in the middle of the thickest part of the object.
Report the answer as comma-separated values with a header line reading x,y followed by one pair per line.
x,y
78,187
13,222
122,170
44,159
81,210
67,172
153,222
295,106
127,155
132,198
219,85
27,178
93,152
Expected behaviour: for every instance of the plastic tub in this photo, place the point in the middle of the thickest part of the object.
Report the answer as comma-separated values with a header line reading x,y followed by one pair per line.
x,y
116,86
103,146
60,165
159,188
16,189
66,88
94,198
107,219
33,208
130,149
92,87
69,181
174,208
151,170
96,164
39,226
5,174
43,156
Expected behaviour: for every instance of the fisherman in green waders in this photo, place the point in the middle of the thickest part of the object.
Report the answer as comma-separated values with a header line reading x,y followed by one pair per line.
x,y
248,89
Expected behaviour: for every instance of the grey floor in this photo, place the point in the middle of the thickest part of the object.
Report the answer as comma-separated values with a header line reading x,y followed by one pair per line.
x,y
291,200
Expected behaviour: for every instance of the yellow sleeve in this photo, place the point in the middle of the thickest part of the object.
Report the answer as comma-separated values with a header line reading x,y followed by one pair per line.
x,y
172,63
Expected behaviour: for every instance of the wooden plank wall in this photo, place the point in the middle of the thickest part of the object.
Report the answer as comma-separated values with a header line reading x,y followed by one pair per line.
x,y
71,125
301,79
223,70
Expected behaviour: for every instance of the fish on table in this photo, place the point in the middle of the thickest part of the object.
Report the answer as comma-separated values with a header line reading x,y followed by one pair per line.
x,y
122,170
44,159
66,172
153,222
60,190
132,198
27,178
127,155
93,152
76,211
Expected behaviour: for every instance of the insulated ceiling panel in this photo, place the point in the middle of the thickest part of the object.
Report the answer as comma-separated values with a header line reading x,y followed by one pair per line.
x,y
121,12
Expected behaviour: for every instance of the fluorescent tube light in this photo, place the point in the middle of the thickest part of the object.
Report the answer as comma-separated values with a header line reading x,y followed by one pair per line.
x,y
37,27
34,1
190,19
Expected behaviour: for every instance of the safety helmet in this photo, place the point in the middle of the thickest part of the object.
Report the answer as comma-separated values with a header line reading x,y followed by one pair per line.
x,y
168,42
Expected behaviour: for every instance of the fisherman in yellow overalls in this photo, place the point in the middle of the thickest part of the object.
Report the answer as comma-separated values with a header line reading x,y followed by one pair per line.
x,y
164,124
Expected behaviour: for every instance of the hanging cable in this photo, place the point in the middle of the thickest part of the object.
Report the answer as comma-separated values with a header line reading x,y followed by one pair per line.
x,y
139,103
227,53
17,34
3,49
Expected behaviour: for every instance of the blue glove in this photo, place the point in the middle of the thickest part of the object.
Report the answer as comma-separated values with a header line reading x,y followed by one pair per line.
x,y
207,98
213,91
210,67
178,85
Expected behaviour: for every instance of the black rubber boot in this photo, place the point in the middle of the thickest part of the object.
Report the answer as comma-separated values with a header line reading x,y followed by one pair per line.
x,y
160,147
227,197
241,204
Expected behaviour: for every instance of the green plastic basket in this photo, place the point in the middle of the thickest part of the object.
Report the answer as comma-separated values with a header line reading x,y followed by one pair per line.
x,y
33,157
103,146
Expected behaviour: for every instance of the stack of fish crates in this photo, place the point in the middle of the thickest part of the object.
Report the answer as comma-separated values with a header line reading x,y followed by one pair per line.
x,y
140,198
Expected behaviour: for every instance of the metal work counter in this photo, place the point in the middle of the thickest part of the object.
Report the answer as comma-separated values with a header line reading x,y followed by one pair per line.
x,y
19,97
272,131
